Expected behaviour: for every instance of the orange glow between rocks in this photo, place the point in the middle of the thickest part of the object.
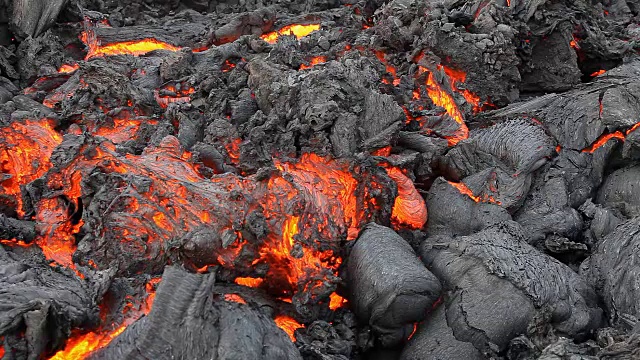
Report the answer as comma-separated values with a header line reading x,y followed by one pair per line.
x,y
234,298
314,61
68,68
443,99
289,325
598,73
299,31
463,189
249,281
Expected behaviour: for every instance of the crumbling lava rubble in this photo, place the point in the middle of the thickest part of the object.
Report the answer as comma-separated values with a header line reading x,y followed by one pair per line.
x,y
320,179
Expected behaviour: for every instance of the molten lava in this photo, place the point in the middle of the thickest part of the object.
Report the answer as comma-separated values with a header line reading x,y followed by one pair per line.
x,y
297,30
249,281
68,68
463,189
134,47
603,140
598,73
234,298
25,149
441,98
409,209
314,61
170,94
288,324
336,301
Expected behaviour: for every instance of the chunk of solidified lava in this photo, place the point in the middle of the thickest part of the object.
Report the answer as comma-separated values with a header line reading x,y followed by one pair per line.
x,y
614,270
36,298
187,322
390,288
497,285
621,191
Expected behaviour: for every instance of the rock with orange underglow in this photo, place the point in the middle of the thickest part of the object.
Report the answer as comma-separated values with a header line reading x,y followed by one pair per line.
x,y
455,210
188,321
512,151
390,289
42,303
498,284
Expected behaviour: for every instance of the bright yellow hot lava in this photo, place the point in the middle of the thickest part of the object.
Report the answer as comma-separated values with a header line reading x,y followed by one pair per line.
x,y
299,31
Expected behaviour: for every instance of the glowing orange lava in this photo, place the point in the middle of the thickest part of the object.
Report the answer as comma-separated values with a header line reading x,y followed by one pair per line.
x,y
336,301
443,99
80,346
288,324
314,61
299,31
599,72
603,140
463,189
415,328
249,281
234,298
181,95
25,149
68,68
409,209
134,47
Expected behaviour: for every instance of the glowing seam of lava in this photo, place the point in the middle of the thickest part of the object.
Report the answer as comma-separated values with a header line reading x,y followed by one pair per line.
x,y
442,99
133,47
463,189
314,61
25,149
297,30
288,324
81,346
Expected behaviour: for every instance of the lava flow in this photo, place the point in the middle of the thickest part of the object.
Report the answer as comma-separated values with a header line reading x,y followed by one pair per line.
x,y
297,30
25,149
288,324
134,47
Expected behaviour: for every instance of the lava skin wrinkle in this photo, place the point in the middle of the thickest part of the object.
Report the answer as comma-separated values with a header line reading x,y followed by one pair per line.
x,y
336,180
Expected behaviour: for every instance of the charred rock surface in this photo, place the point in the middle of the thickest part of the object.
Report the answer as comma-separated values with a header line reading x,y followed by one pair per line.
x,y
613,272
488,275
389,287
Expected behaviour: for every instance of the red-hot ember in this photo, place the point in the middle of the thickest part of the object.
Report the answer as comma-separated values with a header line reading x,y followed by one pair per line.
x,y
234,298
25,149
314,61
598,73
170,94
415,328
288,324
297,30
68,68
336,301
249,281
463,189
